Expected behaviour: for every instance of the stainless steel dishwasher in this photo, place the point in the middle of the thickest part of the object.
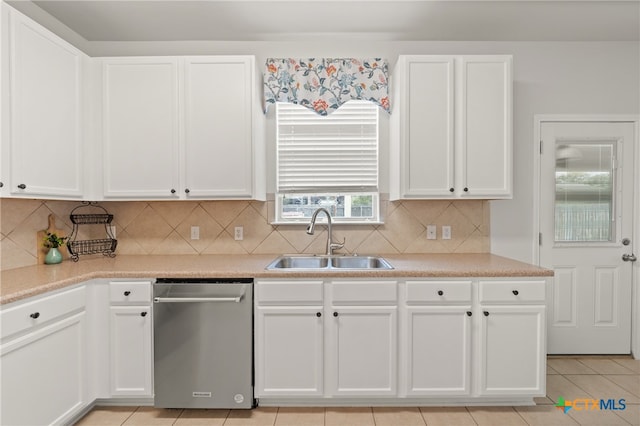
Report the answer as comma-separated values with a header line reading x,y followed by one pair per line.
x,y
203,343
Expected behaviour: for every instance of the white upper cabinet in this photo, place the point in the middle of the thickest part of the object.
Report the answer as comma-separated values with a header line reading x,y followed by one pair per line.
x,y
451,128
42,125
140,127
218,145
179,128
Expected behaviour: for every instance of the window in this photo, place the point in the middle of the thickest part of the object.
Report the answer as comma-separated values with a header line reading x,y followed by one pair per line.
x,y
584,192
327,161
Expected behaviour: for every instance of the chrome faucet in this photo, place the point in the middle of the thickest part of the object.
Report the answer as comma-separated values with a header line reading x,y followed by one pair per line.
x,y
331,246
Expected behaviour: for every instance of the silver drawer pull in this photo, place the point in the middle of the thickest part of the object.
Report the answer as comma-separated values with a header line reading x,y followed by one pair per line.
x,y
197,299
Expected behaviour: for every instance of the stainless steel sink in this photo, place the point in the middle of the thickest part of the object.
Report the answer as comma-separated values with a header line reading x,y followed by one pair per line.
x,y
333,262
360,262
299,262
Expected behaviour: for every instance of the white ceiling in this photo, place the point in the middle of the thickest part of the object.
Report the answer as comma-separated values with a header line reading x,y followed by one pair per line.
x,y
388,20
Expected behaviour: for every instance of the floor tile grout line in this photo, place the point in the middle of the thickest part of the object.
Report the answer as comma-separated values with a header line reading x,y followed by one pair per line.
x,y
603,377
608,359
634,393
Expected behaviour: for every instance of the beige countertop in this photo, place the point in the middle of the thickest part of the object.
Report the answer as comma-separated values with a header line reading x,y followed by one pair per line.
x,y
20,283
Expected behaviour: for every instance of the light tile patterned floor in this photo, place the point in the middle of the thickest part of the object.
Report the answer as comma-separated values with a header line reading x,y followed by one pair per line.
x,y
569,377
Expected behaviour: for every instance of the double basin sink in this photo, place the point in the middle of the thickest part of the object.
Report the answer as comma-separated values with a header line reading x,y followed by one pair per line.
x,y
316,262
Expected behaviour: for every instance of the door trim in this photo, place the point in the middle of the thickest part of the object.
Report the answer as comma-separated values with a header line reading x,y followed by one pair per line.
x,y
539,119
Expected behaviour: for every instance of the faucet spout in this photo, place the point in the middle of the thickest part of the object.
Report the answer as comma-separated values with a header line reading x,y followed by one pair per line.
x,y
311,227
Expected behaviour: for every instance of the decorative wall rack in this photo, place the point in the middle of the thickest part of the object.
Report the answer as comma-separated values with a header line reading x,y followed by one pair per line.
x,y
90,213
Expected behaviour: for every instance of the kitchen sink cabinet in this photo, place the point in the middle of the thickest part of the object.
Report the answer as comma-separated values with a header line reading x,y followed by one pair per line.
x,y
325,339
289,338
180,128
43,112
451,128
289,351
43,357
362,337
512,344
362,351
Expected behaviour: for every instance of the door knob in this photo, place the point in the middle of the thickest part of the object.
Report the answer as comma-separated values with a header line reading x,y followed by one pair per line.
x,y
629,257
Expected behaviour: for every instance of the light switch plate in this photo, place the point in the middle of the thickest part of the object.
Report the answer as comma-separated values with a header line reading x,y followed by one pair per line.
x,y
431,232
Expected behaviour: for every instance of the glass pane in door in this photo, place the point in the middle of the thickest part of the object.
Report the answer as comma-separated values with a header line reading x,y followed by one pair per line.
x,y
584,188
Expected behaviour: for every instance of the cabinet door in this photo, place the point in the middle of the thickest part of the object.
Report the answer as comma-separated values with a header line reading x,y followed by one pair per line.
x,y
46,150
427,160
512,350
140,128
218,127
289,351
362,345
485,111
43,374
131,358
439,350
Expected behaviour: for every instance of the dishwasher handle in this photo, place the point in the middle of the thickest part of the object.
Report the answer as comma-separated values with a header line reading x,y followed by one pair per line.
x,y
197,299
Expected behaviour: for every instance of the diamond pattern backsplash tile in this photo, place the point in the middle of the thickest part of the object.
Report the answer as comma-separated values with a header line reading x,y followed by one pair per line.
x,y
164,227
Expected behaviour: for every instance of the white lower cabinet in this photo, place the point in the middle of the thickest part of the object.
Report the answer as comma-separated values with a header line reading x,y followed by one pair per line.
x,y
512,354
131,354
437,341
289,351
309,345
439,350
438,324
362,351
130,331
44,362
512,341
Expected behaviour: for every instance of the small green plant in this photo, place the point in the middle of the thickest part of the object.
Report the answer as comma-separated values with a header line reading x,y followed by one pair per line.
x,y
51,240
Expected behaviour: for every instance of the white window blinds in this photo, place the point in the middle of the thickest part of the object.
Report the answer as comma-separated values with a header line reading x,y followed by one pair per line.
x,y
334,153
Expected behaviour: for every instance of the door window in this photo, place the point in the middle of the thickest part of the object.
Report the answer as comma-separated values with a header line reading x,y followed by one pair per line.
x,y
585,188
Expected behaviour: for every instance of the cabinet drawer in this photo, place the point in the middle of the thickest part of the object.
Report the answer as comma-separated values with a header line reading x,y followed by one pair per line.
x,y
130,292
438,291
365,292
30,314
289,292
512,291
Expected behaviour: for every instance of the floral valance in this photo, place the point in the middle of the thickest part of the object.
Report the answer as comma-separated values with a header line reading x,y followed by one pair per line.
x,y
323,84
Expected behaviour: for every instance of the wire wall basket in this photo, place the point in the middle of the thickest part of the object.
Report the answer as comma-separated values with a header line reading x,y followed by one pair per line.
x,y
90,213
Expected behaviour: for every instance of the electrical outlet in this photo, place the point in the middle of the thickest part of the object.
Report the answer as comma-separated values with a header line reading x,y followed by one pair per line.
x,y
446,232
238,233
195,232
431,232
112,230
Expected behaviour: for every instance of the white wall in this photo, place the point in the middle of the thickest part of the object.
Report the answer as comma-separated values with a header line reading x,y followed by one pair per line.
x,y
549,77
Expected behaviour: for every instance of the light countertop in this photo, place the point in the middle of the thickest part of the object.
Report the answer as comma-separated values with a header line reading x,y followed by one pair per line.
x,y
20,283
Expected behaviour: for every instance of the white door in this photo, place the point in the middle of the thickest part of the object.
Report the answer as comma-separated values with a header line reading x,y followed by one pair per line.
x,y
218,126
362,348
43,374
140,128
131,357
586,215
439,339
512,356
289,351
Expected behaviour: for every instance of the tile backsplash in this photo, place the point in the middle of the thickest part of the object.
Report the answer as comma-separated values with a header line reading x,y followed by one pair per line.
x,y
164,227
